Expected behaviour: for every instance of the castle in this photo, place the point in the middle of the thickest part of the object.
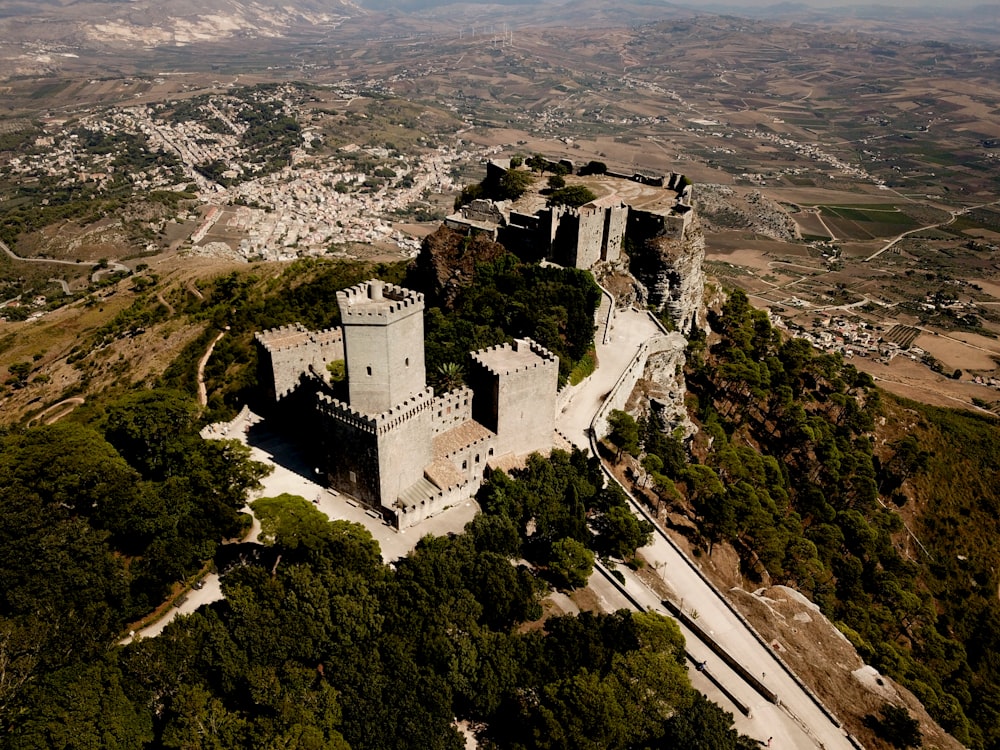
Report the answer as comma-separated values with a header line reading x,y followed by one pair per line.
x,y
393,444
582,237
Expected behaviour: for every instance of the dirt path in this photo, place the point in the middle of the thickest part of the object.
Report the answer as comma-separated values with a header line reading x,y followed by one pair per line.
x,y
202,391
57,411
160,298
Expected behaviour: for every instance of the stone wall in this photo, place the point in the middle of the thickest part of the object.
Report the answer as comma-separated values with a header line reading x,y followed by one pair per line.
x,y
384,344
518,403
590,236
405,518
405,448
616,222
354,471
452,409
622,390
287,353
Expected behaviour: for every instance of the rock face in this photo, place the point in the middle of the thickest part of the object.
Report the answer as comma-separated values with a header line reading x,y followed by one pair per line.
x,y
721,207
671,270
447,262
664,389
829,665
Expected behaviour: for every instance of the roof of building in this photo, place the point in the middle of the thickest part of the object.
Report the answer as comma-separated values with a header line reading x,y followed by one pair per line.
x,y
508,358
461,436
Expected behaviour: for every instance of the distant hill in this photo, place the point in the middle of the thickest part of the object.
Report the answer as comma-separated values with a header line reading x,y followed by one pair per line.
x,y
148,24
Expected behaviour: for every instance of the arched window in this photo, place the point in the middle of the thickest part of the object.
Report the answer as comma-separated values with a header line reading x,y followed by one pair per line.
x,y
369,368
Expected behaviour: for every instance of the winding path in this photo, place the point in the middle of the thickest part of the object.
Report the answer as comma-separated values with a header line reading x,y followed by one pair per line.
x,y
202,390
113,266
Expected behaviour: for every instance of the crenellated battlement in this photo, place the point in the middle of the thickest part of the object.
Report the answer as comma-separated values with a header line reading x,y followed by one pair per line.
x,y
409,408
338,410
510,359
376,302
294,336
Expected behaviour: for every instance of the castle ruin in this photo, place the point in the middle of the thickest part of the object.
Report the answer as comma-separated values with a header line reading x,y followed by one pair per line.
x,y
659,227
393,444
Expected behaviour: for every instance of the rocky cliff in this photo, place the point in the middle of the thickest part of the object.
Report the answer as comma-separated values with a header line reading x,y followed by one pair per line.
x,y
672,273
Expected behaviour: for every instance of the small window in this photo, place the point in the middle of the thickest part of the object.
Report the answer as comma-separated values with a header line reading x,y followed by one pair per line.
x,y
353,477
490,452
369,368
465,465
477,458
407,361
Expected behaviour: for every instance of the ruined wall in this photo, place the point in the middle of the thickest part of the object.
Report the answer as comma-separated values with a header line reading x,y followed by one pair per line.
x,y
590,236
615,225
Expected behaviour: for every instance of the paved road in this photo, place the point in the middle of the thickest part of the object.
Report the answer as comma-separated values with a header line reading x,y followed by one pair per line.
x,y
629,330
765,719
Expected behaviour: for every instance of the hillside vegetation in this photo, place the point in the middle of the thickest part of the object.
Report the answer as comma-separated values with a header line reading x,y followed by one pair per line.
x,y
784,469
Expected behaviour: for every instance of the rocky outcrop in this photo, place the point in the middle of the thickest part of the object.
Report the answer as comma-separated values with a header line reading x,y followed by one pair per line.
x,y
447,263
671,271
721,207
663,388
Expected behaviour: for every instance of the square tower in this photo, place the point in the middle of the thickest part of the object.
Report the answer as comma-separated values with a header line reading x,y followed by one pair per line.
x,y
515,395
383,344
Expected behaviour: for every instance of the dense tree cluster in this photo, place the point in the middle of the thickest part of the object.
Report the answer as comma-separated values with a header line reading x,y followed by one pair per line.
x,y
784,471
319,644
97,523
511,299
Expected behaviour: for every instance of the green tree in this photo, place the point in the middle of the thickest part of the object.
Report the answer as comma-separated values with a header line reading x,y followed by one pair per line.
x,y
620,532
571,563
895,725
623,433
571,195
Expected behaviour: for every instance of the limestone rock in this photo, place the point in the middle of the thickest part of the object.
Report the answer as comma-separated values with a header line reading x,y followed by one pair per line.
x,y
672,271
447,261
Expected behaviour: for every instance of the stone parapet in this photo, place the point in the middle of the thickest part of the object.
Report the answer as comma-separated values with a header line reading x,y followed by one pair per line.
x,y
509,359
377,303
295,335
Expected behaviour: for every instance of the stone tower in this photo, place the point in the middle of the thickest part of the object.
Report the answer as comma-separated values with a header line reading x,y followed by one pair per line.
x,y
515,388
383,344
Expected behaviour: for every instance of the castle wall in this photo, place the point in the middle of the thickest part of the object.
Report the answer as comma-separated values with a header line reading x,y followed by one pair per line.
x,y
405,518
615,223
374,458
349,450
384,344
590,236
452,409
285,354
405,447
